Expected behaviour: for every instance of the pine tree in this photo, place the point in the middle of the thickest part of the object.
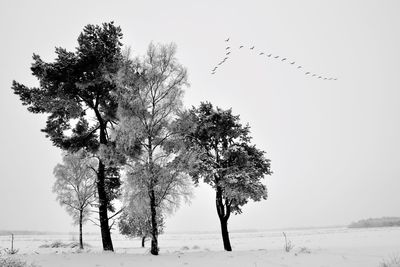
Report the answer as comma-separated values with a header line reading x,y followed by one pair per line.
x,y
226,160
76,92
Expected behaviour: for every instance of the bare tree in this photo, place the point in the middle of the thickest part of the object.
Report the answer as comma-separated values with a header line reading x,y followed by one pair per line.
x,y
75,186
149,96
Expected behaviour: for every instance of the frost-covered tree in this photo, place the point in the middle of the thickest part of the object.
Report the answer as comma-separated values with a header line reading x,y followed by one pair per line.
x,y
135,220
149,95
226,160
76,92
75,186
137,223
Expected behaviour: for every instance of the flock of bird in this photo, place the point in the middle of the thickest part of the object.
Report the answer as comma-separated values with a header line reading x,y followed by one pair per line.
x,y
229,50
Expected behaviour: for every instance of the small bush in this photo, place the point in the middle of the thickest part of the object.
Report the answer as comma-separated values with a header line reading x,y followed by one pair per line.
x,y
14,262
393,261
185,248
11,251
76,245
55,244
288,244
195,247
59,244
304,250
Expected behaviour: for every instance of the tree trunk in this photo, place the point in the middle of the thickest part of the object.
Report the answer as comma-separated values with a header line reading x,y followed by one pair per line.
x,y
154,232
154,229
103,200
223,218
80,229
225,234
143,240
103,215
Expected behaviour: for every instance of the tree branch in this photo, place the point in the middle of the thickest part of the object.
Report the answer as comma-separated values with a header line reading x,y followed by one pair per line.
x,y
115,214
95,223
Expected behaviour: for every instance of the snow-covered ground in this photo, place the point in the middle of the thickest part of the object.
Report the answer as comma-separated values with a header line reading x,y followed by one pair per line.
x,y
312,247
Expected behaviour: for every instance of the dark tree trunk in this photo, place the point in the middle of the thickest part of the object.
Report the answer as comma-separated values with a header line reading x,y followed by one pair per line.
x,y
225,234
154,232
143,240
223,218
154,228
103,215
80,229
101,189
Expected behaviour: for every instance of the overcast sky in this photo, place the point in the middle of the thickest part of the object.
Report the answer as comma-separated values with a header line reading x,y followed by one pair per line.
x,y
334,145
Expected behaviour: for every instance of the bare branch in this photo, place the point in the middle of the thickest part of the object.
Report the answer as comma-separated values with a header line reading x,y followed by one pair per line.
x,y
115,214
95,223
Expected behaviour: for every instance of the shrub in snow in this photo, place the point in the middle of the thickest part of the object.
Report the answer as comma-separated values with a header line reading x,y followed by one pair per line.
x,y
11,250
288,244
304,250
59,244
393,261
14,262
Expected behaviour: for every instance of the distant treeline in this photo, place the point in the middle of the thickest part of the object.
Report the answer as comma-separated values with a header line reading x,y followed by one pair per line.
x,y
376,222
27,232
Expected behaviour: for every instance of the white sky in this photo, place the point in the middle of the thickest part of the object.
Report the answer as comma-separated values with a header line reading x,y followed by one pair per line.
x,y
334,145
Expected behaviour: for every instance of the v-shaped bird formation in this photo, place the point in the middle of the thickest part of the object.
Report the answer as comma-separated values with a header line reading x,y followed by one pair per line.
x,y
229,49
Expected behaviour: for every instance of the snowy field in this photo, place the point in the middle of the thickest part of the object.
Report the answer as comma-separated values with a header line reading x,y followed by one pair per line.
x,y
312,247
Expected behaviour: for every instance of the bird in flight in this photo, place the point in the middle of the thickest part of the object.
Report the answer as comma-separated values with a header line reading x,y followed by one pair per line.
x,y
276,56
292,62
314,75
228,53
299,67
241,46
227,40
251,48
269,55
228,47
262,53
283,59
307,72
